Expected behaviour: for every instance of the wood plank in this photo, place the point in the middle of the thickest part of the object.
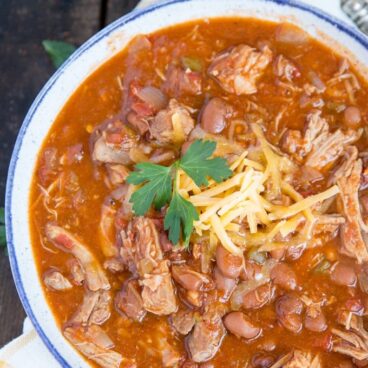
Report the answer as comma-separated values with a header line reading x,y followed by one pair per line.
x,y
117,8
24,65
24,69
11,310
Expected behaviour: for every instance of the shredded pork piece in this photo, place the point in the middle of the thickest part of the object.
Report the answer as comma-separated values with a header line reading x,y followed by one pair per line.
x,y
352,234
179,81
112,142
298,359
141,252
117,174
173,124
158,292
238,69
54,280
354,340
206,337
95,309
76,271
315,132
106,231
90,343
130,302
284,68
318,147
349,157
326,228
95,276
330,148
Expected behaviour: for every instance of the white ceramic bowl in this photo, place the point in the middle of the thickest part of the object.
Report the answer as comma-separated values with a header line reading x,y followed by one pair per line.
x,y
74,71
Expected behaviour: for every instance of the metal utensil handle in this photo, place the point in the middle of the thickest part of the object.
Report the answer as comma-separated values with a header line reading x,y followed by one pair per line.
x,y
357,10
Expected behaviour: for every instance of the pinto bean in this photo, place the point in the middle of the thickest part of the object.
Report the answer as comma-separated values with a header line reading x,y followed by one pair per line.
x,y
361,363
224,284
228,264
238,324
288,310
262,361
188,278
290,34
343,274
214,115
355,305
284,276
292,322
278,254
257,298
289,304
315,320
352,117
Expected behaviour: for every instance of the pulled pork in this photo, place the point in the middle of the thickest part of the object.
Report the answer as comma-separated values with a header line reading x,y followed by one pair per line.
x,y
173,124
318,147
238,69
298,359
111,143
352,234
130,302
97,346
206,337
94,274
284,68
95,309
353,341
142,254
179,81
54,280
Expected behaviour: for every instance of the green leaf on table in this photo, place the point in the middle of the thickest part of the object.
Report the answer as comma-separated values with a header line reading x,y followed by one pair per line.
x,y
58,51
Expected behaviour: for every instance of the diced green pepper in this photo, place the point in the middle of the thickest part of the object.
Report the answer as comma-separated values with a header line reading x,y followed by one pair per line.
x,y
192,63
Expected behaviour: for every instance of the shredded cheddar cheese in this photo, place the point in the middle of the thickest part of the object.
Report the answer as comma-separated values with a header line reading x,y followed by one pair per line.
x,y
241,211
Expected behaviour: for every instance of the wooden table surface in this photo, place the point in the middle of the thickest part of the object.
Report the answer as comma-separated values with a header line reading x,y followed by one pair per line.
x,y
24,69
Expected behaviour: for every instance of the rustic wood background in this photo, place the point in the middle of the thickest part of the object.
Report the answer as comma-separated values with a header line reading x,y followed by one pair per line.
x,y
24,69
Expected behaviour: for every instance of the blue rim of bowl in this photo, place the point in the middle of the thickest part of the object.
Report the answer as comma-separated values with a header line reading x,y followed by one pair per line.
x,y
339,24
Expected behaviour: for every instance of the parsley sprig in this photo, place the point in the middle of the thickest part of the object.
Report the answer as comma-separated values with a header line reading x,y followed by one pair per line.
x,y
58,51
159,187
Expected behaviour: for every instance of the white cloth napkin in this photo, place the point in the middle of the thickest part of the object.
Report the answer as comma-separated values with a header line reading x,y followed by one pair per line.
x,y
28,350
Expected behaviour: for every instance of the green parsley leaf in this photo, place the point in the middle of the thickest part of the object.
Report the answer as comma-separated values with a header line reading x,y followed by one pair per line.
x,y
192,63
157,187
58,51
181,213
2,228
197,164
